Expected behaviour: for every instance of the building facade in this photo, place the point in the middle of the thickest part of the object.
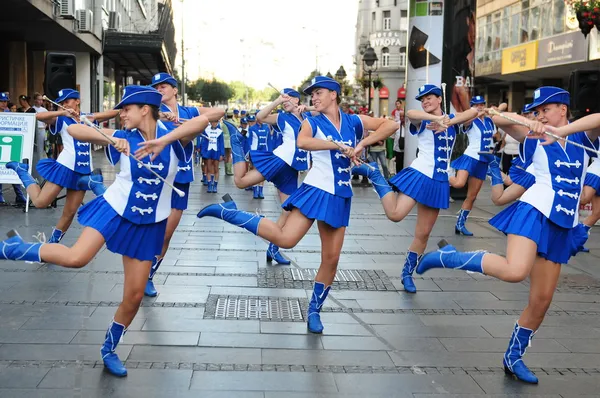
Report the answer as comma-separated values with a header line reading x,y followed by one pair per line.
x,y
115,42
524,44
383,25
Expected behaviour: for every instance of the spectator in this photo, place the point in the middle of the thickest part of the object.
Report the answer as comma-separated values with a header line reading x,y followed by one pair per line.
x,y
40,133
398,115
377,155
25,106
12,107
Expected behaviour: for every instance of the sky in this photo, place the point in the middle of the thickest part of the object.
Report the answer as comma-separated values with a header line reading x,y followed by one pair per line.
x,y
265,41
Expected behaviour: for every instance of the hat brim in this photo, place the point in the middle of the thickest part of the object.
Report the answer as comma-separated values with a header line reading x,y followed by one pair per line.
x,y
434,91
326,85
169,80
68,96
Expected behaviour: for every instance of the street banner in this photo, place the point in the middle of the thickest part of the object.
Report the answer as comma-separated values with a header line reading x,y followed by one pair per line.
x,y
424,50
17,135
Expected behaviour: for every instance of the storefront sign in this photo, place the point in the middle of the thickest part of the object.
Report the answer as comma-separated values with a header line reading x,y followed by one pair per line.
x,y
562,49
390,38
520,58
493,67
17,134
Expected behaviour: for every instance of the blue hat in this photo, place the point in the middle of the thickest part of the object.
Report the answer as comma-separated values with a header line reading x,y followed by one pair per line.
x,y
3,97
243,120
323,82
244,112
527,108
478,99
428,89
163,78
251,118
144,95
550,95
291,92
236,111
67,93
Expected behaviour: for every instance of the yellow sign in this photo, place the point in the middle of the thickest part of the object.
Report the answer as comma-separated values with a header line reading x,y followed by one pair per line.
x,y
519,58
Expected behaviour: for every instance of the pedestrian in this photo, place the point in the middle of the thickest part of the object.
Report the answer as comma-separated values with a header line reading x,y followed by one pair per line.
x,y
40,133
425,182
326,193
213,151
258,139
131,217
472,165
73,168
175,114
541,225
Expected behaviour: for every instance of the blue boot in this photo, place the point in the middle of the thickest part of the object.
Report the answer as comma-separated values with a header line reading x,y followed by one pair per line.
x,y
380,185
513,358
150,290
2,201
22,170
273,254
238,143
111,360
204,180
228,212
215,184
57,236
460,228
92,182
15,248
494,172
448,257
314,307
255,192
260,192
410,264
209,188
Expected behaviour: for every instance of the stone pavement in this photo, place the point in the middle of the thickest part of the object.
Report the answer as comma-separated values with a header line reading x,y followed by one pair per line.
x,y
227,324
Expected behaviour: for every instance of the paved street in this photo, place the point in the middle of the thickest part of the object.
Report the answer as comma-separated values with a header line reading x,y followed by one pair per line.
x,y
227,324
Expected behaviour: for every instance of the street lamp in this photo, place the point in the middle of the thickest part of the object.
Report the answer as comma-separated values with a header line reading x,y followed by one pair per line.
x,y
340,75
369,65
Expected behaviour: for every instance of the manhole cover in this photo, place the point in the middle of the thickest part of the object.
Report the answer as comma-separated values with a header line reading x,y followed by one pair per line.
x,y
340,276
258,308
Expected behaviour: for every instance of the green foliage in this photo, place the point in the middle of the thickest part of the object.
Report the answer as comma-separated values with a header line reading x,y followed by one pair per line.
x,y
210,91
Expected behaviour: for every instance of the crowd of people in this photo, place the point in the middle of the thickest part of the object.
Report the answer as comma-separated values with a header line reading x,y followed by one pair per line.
x,y
162,141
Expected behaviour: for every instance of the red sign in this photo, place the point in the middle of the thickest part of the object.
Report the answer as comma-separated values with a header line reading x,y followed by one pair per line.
x,y
384,93
402,93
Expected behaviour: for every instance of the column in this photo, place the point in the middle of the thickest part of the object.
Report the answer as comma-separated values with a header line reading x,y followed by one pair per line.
x,y
17,69
516,96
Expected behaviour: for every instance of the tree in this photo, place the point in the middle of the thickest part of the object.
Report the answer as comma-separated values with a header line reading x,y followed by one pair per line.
x,y
194,90
215,91
306,82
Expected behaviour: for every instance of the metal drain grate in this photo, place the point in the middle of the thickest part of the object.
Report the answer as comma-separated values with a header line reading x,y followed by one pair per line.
x,y
342,275
258,308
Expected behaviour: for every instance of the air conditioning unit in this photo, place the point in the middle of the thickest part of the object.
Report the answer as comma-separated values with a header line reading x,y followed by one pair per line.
x,y
114,21
67,9
85,20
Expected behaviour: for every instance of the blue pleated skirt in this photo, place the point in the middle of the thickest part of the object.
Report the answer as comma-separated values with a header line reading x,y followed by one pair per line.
x,y
210,154
475,168
178,202
520,218
592,180
140,241
275,170
58,174
424,190
317,204
519,176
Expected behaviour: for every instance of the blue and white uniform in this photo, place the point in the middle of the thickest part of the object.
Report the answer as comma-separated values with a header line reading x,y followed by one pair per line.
x,y
548,211
592,178
74,161
281,167
326,192
481,139
520,174
259,137
426,179
213,143
185,168
135,208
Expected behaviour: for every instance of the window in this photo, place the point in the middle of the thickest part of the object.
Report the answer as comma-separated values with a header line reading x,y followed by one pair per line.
x,y
514,24
558,16
534,23
403,20
524,25
385,56
496,40
402,56
373,21
545,21
387,20
505,34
